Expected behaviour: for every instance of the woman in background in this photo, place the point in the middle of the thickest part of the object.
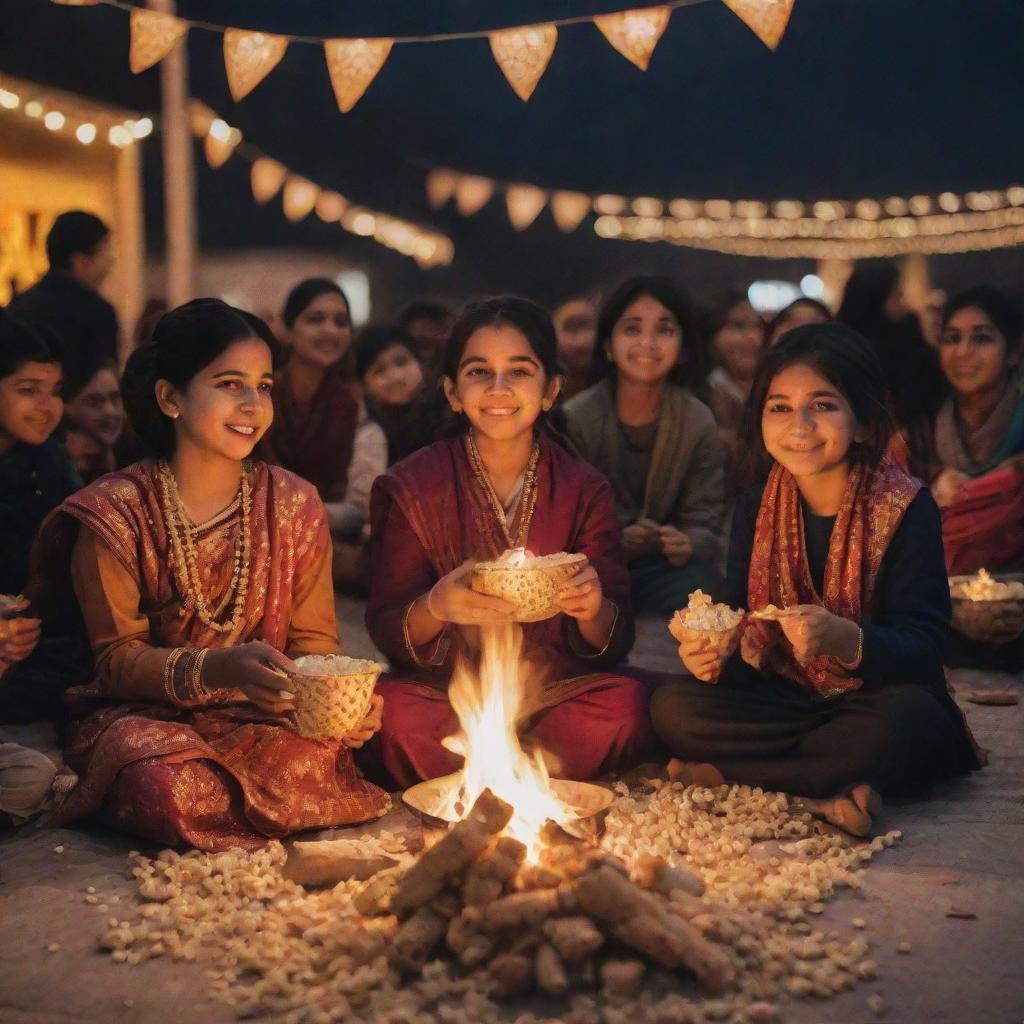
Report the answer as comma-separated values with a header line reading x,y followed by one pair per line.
x,y
321,430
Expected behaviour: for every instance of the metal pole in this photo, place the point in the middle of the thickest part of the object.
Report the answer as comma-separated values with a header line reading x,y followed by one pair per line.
x,y
179,178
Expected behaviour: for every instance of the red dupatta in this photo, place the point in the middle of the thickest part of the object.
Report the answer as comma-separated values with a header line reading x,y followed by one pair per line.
x,y
315,439
872,509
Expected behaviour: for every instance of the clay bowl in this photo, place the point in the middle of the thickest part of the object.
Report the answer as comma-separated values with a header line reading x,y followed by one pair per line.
x,y
997,620
588,803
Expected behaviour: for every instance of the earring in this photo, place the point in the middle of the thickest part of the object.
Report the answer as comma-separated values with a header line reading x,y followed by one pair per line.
x,y
175,414
546,405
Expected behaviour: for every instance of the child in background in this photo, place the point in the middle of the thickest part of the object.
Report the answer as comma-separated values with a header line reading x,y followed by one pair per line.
x,y
840,696
393,389
93,419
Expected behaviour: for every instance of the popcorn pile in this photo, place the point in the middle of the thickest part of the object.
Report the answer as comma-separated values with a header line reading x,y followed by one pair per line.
x,y
317,957
984,588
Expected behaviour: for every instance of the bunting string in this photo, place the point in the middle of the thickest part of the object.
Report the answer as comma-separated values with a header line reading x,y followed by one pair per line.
x,y
522,52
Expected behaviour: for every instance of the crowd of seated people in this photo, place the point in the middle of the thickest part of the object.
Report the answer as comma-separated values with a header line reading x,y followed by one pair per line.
x,y
178,529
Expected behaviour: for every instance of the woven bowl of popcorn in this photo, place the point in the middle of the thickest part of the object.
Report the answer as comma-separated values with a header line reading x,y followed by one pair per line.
x,y
703,618
987,607
528,581
332,694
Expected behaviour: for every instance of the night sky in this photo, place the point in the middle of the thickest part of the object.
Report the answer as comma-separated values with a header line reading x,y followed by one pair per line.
x,y
862,98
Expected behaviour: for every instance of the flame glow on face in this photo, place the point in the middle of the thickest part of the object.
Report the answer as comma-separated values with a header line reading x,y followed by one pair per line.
x,y
488,707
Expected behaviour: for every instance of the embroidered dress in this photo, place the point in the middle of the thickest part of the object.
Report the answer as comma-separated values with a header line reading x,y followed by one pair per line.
x,y
429,514
158,754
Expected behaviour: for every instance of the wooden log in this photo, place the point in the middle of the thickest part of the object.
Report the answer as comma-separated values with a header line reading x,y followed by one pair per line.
x,y
470,945
327,862
621,976
550,972
512,974
521,910
416,939
574,938
452,854
656,874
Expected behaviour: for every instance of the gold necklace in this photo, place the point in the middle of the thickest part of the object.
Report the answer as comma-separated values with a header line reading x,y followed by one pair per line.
x,y
185,558
527,497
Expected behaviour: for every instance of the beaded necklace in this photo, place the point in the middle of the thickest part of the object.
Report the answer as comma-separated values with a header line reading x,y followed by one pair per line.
x,y
185,559
527,497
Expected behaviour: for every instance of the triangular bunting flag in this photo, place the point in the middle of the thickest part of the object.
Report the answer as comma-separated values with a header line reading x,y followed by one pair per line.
x,y
767,19
523,55
440,186
635,34
569,209
472,192
249,57
524,202
353,64
153,36
266,178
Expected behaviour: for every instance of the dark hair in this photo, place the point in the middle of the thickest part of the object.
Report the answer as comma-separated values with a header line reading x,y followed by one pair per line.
x,y
185,341
432,311
374,340
996,305
866,292
21,343
784,314
690,370
712,315
305,293
527,317
849,363
79,376
73,231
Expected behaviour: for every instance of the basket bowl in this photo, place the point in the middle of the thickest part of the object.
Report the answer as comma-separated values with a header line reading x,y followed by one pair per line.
x,y
332,694
531,587
994,621
725,641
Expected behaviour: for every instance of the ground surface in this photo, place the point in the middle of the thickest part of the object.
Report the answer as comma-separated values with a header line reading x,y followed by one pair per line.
x,y
964,848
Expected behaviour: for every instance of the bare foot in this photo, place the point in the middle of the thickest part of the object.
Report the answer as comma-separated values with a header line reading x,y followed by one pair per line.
x,y
693,773
851,811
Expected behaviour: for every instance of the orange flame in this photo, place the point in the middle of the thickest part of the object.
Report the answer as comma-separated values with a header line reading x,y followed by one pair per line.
x,y
488,707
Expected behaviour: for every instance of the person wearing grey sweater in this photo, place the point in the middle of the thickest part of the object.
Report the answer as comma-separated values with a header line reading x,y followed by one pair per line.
x,y
643,427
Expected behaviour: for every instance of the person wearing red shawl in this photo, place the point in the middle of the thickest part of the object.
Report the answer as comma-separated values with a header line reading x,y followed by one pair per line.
x,y
321,430
838,695
198,576
502,483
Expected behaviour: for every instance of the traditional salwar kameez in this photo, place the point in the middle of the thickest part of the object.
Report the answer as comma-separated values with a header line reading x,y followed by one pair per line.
x,y
817,729
429,514
154,758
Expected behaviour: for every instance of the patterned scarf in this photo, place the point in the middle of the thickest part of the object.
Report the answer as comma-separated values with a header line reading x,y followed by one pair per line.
x,y
872,508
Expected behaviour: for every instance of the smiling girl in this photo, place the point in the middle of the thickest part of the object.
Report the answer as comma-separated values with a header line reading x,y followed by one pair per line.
x,y
644,428
321,430
198,575
501,483
841,698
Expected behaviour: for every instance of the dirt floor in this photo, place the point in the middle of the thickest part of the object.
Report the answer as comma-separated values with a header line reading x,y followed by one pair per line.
x,y
964,849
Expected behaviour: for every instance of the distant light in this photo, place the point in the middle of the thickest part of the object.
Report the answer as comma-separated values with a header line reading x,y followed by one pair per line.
x,y
9,100
119,136
812,286
220,130
85,133
142,128
34,108
54,120
364,224
356,286
771,296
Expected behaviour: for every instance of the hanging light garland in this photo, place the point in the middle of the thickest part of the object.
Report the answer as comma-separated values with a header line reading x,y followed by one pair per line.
x,y
786,227
522,52
67,115
300,196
